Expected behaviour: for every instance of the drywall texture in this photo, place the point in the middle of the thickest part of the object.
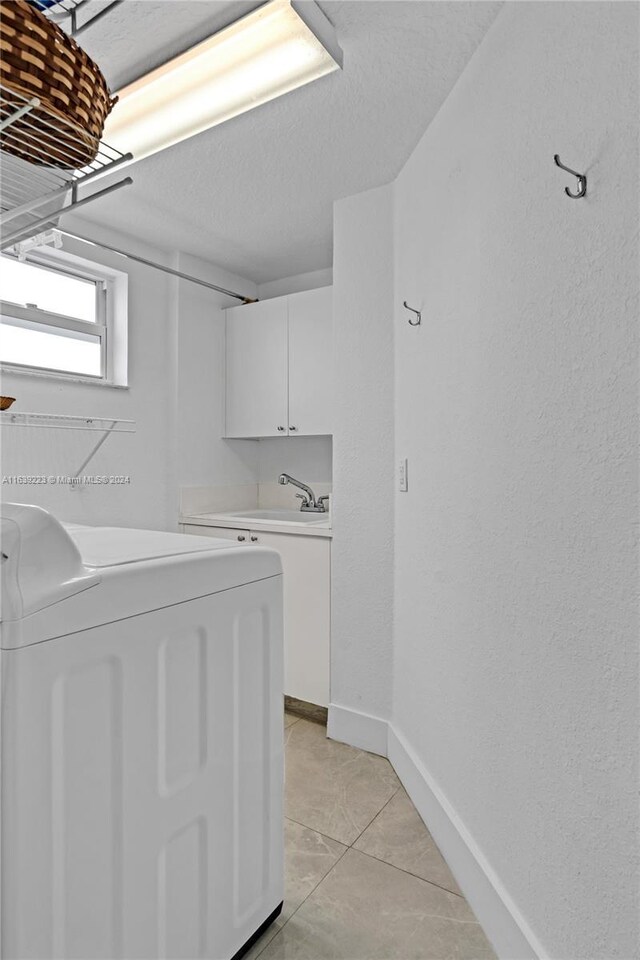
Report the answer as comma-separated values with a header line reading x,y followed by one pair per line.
x,y
515,667
306,458
175,395
362,548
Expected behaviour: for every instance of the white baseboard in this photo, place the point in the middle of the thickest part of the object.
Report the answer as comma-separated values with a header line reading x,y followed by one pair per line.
x,y
358,729
504,925
498,915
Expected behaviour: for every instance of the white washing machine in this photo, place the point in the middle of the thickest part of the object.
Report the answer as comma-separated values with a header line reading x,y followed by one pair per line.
x,y
142,742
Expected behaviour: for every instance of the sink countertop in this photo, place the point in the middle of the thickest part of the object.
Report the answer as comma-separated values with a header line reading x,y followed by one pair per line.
x,y
243,521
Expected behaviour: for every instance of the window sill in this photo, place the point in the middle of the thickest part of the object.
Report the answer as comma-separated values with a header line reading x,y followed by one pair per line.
x,y
8,369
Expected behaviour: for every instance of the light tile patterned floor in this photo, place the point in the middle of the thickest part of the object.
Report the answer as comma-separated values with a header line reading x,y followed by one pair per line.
x,y
364,879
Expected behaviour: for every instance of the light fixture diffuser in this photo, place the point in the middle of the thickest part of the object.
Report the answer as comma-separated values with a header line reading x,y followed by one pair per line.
x,y
278,47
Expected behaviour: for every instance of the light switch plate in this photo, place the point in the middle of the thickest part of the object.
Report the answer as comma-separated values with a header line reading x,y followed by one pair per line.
x,y
403,476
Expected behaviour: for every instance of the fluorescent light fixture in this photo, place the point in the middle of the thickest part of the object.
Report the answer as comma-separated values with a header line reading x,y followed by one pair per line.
x,y
281,45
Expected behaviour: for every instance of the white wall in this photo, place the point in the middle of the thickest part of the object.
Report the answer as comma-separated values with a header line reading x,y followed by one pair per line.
x,y
515,657
302,281
175,395
306,458
362,548
203,456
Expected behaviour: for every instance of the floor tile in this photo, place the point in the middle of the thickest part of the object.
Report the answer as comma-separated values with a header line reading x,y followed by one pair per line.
x,y
257,950
331,787
308,858
368,910
289,719
398,836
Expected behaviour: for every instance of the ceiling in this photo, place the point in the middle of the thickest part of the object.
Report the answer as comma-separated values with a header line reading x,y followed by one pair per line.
x,y
255,194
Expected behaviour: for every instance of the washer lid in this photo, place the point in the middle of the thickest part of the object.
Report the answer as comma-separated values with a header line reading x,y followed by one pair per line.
x,y
114,573
112,546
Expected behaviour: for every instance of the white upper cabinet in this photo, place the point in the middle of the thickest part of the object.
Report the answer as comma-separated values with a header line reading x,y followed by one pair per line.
x,y
279,366
256,378
310,362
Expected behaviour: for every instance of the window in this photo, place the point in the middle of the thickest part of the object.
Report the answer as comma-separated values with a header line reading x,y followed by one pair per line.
x,y
58,316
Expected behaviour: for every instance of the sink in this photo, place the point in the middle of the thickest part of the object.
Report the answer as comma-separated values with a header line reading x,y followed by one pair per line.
x,y
280,516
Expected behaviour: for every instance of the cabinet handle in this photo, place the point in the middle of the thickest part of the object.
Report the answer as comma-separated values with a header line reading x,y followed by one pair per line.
x,y
293,428
253,539
242,538
281,429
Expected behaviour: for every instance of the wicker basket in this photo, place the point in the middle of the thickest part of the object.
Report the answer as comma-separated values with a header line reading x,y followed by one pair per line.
x,y
38,59
5,402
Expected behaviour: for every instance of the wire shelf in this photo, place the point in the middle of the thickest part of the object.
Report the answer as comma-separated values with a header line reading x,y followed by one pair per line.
x,y
63,422
34,188
65,12
58,9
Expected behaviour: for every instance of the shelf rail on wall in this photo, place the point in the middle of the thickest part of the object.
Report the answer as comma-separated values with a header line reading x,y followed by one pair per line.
x,y
64,422
41,173
105,425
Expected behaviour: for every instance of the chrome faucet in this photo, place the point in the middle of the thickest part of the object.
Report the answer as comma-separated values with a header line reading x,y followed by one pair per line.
x,y
309,503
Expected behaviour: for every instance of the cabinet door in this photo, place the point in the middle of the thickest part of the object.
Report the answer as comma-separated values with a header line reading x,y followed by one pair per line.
x,y
310,362
256,369
221,533
306,563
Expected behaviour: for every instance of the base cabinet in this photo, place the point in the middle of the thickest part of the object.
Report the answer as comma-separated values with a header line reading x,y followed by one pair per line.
x,y
306,562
